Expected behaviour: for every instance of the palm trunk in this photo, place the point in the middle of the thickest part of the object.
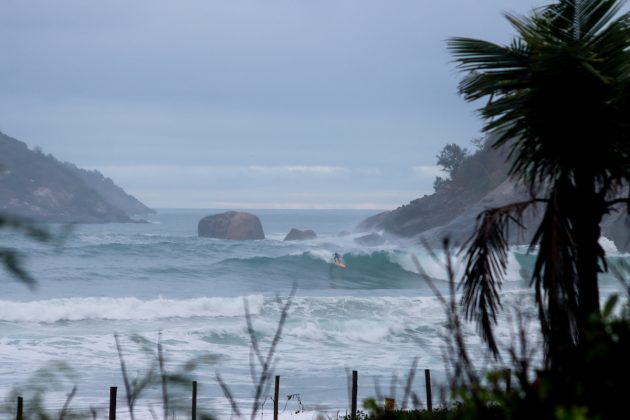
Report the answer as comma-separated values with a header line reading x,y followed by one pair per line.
x,y
571,255
559,278
586,220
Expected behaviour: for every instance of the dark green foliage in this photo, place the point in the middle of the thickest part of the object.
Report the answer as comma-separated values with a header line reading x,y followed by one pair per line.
x,y
12,259
49,378
451,157
439,183
174,384
558,101
481,171
460,165
476,176
598,390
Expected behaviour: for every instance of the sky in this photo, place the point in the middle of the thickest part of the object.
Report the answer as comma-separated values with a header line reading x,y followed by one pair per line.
x,y
245,103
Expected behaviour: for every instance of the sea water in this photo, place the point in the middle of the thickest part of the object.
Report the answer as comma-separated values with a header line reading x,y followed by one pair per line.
x,y
378,316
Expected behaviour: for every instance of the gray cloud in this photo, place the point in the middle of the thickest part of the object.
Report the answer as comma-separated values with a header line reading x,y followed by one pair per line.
x,y
348,84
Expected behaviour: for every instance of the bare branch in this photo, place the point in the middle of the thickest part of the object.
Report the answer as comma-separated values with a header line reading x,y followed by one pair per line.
x,y
266,371
228,395
409,383
252,333
64,410
162,375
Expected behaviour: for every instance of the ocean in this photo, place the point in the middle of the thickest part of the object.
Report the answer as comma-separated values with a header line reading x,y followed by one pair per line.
x,y
377,316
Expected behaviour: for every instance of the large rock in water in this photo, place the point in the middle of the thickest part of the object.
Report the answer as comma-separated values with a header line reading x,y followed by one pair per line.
x,y
238,226
300,235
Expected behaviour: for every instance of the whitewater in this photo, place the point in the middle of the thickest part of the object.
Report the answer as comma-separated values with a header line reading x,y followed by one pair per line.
x,y
377,316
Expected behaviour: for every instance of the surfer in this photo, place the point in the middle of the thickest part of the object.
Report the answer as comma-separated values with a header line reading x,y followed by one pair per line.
x,y
337,260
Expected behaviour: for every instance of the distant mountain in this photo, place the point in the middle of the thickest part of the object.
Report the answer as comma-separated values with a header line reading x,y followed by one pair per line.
x,y
111,192
40,187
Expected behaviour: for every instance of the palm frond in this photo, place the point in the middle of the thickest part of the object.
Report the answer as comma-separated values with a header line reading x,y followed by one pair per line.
x,y
486,263
592,16
477,55
12,259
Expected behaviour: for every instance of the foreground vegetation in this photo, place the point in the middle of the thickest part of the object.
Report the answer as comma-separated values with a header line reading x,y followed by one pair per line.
x,y
597,391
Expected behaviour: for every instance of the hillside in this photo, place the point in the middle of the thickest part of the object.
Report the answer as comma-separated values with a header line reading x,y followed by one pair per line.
x,y
39,187
478,175
111,192
480,183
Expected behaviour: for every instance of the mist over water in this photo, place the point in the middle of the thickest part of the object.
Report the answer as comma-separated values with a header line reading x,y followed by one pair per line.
x,y
376,316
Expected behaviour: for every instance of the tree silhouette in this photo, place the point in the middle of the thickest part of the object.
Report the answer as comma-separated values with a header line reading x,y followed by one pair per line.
x,y
558,99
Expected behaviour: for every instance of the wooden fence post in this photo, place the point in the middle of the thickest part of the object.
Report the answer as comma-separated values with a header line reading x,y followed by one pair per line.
x,y
112,402
355,381
20,409
193,414
427,380
276,397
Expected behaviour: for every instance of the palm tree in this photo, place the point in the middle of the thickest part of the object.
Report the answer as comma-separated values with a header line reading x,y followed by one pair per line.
x,y
559,101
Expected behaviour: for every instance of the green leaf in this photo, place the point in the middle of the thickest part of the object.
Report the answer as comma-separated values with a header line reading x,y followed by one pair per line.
x,y
609,307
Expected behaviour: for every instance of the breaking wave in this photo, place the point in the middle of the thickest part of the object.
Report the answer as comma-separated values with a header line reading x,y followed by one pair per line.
x,y
128,308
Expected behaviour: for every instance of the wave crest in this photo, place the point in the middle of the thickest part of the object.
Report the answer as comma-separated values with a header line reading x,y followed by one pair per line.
x,y
126,308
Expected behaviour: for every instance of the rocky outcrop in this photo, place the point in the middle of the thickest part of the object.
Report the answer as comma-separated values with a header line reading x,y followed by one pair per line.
x,y
373,239
37,186
459,229
238,226
481,182
300,235
477,176
428,228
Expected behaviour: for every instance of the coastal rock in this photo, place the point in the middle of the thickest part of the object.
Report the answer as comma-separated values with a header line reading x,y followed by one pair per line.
x,y
373,239
477,176
300,235
459,229
238,226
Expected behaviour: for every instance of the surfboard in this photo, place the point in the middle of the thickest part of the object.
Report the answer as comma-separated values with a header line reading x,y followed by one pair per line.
x,y
339,264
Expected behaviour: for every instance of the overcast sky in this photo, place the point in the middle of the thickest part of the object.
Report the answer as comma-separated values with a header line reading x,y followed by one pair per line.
x,y
245,104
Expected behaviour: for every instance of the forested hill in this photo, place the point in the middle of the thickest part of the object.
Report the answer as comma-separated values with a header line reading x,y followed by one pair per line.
x,y
39,187
476,176
479,182
111,192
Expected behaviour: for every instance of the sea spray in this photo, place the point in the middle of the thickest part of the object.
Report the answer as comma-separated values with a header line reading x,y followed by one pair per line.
x,y
130,308
376,316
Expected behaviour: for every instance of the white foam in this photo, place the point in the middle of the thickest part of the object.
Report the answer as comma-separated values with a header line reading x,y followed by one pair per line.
x,y
513,272
434,267
319,254
129,308
609,246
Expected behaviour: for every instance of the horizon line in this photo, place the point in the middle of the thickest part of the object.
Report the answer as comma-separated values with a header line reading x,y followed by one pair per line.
x,y
271,208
